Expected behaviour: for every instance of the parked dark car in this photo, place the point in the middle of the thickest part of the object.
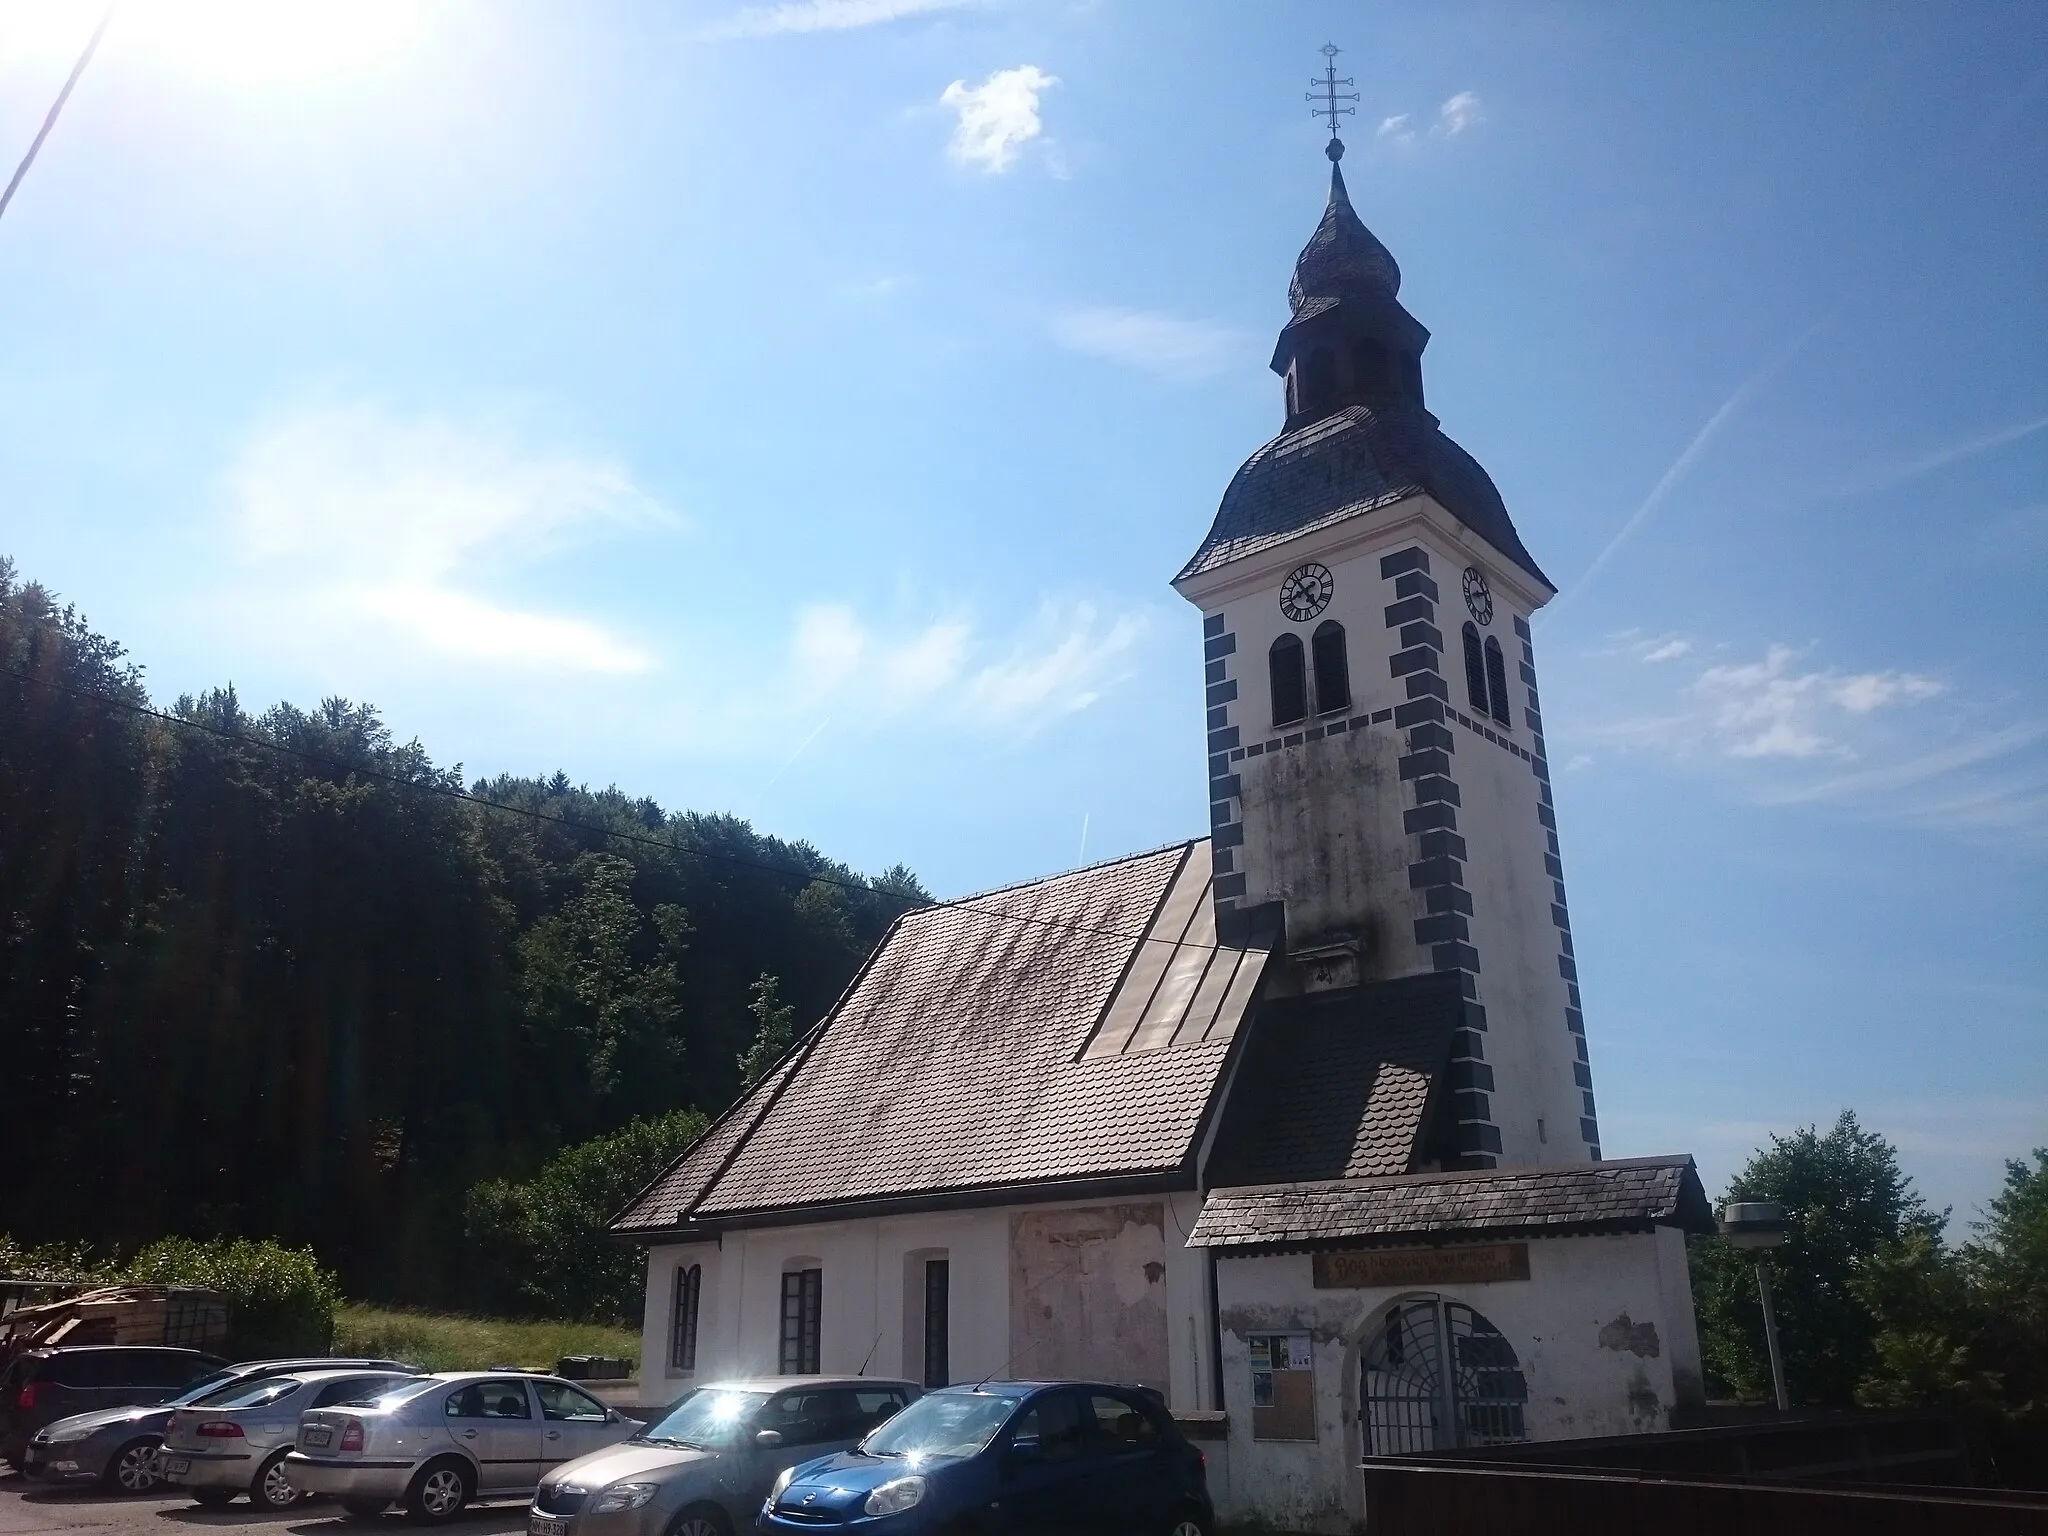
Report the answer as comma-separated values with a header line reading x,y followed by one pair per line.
x,y
121,1448
44,1385
1023,1458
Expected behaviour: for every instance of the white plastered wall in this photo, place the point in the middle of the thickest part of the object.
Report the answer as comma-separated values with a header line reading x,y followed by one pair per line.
x,y
1602,1331
866,1316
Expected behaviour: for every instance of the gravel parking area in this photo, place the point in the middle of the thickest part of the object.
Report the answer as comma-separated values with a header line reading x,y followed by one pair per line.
x,y
34,1509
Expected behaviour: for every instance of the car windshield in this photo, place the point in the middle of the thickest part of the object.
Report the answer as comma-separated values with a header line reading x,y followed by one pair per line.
x,y
704,1420
397,1395
202,1387
248,1394
945,1425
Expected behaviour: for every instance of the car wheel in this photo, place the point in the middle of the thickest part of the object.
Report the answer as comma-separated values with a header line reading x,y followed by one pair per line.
x,y
438,1493
364,1509
272,1489
704,1520
137,1467
213,1498
1187,1523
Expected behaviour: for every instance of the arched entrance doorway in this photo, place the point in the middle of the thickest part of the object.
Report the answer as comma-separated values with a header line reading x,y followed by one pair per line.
x,y
1436,1376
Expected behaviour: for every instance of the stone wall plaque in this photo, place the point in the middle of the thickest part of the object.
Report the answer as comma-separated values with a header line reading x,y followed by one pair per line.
x,y
1465,1264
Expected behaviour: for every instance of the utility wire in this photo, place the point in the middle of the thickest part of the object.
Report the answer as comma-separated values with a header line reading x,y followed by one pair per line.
x,y
670,845
56,107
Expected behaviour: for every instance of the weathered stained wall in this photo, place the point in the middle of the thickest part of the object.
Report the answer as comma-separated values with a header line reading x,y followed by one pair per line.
x,y
1328,824
1088,1293
1127,1297
1594,1328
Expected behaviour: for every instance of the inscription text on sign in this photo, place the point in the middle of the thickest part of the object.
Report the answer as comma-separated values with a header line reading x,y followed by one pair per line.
x,y
1372,1267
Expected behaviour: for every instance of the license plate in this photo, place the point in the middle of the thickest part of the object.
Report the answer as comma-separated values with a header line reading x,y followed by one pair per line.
x,y
316,1436
546,1525
177,1466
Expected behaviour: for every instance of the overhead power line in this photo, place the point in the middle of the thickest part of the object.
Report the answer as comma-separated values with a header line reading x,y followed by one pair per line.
x,y
668,844
57,106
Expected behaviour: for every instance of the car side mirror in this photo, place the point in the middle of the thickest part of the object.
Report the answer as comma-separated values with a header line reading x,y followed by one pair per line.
x,y
1022,1453
613,1416
768,1439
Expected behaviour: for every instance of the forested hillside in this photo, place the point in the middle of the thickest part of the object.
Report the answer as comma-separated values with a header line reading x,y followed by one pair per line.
x,y
309,993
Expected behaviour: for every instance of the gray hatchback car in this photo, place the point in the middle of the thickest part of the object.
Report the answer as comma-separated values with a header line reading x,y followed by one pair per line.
x,y
704,1467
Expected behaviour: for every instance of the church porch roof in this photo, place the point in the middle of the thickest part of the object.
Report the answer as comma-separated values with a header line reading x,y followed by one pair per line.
x,y
1620,1195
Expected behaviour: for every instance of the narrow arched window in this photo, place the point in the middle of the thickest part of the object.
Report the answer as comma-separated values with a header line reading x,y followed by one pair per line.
x,y
1333,668
1320,386
1475,669
1289,679
1293,393
1369,367
682,1341
1497,682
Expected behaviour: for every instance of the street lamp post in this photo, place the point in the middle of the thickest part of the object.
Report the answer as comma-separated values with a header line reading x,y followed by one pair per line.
x,y
1759,1224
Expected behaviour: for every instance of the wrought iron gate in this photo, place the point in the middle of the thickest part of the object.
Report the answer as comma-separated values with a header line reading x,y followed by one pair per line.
x,y
1413,1403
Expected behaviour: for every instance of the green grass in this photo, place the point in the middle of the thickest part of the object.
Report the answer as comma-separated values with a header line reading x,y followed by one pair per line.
x,y
446,1342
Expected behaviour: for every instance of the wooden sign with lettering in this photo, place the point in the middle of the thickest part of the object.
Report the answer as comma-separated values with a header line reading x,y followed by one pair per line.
x,y
1472,1264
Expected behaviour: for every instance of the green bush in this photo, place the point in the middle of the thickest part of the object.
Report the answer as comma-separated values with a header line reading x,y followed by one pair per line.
x,y
280,1301
541,1247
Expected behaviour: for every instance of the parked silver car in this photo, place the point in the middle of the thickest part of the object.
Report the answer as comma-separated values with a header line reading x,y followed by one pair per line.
x,y
122,1448
436,1443
705,1466
234,1440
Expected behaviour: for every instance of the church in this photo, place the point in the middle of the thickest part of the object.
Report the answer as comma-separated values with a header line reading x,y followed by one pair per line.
x,y
1293,1122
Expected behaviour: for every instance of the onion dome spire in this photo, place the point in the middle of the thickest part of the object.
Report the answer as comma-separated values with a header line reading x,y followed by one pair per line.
x,y
1342,256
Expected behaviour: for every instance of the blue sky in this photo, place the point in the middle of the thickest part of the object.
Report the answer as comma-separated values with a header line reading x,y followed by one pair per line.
x,y
798,410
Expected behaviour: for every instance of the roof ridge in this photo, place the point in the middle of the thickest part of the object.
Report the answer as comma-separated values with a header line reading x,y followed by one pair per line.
x,y
1523,1170
1060,874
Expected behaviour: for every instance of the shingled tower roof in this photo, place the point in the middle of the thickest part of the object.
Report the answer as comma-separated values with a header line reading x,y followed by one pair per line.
x,y
1342,254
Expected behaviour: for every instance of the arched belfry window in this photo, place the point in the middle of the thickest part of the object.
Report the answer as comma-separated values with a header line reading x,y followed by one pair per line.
x,y
1369,367
1332,667
1319,388
1475,668
1497,683
1289,678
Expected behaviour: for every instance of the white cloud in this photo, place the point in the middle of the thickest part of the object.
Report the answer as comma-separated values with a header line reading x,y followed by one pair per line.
x,y
1396,128
1783,730
362,519
824,16
1162,344
997,117
1769,708
1459,113
1059,663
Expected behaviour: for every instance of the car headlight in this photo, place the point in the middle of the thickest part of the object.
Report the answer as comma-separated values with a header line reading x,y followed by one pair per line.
x,y
63,1434
624,1496
892,1498
782,1481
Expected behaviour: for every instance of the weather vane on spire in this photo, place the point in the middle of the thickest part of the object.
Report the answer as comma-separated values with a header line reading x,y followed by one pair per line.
x,y
1327,97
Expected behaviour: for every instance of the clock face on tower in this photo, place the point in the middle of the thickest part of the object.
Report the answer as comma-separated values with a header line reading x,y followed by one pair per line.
x,y
1306,592
1478,595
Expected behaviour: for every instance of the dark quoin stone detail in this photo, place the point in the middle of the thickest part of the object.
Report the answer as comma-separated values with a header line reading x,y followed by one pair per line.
x,y
1437,870
1413,558
1560,912
1226,789
1415,584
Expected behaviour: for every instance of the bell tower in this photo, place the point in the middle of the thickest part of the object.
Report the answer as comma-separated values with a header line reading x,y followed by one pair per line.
x,y
1379,788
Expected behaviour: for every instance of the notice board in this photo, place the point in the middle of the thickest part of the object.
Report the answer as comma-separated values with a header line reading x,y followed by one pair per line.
x,y
1283,1386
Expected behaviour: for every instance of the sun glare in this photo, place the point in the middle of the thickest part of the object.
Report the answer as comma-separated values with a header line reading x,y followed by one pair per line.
x,y
252,43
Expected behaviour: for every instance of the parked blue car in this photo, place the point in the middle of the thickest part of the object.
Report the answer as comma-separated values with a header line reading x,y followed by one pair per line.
x,y
1008,1458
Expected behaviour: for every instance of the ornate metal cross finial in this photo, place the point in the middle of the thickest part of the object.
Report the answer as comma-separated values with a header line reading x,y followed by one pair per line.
x,y
1326,93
